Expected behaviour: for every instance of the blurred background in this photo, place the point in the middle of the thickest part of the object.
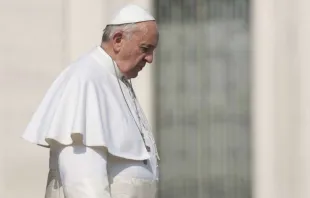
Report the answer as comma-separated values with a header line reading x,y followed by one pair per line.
x,y
228,94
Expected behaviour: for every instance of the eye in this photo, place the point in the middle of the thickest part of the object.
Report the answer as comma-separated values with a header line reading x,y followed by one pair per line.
x,y
144,49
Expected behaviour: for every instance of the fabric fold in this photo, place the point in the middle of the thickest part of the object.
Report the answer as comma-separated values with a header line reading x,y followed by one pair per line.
x,y
85,99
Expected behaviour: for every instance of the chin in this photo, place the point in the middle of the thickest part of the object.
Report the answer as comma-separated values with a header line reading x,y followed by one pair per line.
x,y
133,75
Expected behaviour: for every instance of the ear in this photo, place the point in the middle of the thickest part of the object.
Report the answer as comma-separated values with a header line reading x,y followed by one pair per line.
x,y
117,41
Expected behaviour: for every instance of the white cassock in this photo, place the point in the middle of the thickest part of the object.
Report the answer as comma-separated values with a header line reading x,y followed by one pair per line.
x,y
101,145
89,103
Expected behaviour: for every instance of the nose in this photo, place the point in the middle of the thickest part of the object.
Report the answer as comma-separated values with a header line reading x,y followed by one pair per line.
x,y
149,58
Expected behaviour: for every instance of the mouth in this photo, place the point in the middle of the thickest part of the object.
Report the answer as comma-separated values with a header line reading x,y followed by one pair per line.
x,y
140,67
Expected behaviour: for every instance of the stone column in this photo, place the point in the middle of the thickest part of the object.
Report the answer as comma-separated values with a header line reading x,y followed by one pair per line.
x,y
281,95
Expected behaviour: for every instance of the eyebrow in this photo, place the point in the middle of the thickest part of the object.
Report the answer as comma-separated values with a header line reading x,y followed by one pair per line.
x,y
147,45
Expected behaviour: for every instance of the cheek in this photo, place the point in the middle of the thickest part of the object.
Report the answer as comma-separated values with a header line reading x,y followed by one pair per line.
x,y
127,51
128,54
137,58
131,49
133,56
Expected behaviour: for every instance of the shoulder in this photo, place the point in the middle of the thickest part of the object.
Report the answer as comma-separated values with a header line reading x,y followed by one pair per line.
x,y
87,69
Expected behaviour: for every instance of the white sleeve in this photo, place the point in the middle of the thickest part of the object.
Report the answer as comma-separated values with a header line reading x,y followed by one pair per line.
x,y
83,172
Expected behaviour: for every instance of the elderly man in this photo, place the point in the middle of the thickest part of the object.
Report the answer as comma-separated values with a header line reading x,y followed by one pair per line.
x,y
101,145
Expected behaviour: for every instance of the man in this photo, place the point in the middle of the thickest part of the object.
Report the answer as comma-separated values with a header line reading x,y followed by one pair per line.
x,y
101,145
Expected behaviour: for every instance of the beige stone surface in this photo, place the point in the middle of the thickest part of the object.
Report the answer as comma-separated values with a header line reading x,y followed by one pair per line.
x,y
281,107
38,39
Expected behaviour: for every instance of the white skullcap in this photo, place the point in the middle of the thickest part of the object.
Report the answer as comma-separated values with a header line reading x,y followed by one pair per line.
x,y
131,14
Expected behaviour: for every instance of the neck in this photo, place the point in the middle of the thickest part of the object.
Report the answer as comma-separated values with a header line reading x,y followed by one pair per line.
x,y
109,50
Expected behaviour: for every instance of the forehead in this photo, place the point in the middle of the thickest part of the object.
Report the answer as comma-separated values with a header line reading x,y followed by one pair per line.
x,y
148,33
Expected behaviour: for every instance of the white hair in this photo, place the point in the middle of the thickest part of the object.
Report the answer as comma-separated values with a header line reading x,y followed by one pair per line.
x,y
110,30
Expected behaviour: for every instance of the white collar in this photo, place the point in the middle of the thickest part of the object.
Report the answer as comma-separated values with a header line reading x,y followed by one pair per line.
x,y
110,67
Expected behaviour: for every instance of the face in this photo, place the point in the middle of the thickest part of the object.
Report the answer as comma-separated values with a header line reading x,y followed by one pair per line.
x,y
135,51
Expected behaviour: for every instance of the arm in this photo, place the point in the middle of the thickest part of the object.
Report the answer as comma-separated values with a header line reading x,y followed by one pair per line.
x,y
83,172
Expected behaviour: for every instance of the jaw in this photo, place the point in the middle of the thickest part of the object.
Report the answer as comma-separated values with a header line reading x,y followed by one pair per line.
x,y
131,75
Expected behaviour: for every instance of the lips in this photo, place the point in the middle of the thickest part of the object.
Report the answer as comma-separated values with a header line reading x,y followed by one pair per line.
x,y
140,67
